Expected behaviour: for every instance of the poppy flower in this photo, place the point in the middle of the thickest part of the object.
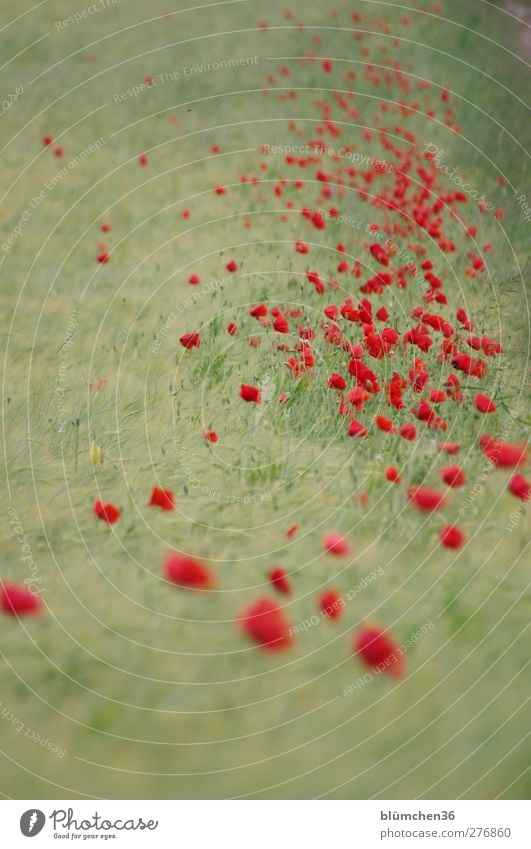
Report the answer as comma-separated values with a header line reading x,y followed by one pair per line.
x,y
503,454
336,381
260,311
104,258
210,436
280,324
520,487
392,474
408,431
189,572
232,329
194,279
356,428
451,536
379,651
190,340
232,266
58,151
290,533
383,423
426,498
17,600
47,141
485,404
105,228
265,623
335,544
331,604
280,580
106,512
143,160
250,393
450,447
453,476
162,498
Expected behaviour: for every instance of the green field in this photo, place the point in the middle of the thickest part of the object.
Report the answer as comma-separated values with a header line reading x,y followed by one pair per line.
x,y
125,686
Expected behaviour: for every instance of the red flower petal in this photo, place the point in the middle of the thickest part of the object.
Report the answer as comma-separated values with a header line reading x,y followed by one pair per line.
x,y
162,498
425,498
190,340
451,536
485,404
280,580
331,604
106,512
336,544
250,393
453,476
392,474
520,487
266,624
379,651
189,572
16,600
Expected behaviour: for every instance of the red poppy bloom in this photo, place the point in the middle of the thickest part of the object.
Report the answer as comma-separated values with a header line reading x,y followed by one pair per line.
x,y
194,279
485,404
451,536
503,454
292,531
520,487
378,651
450,447
232,266
232,329
356,428
105,228
384,423
210,436
408,431
189,572
250,393
58,151
47,140
190,340
331,604
336,544
280,324
17,600
106,512
392,474
426,498
453,476
280,580
162,498
336,381
265,623
260,311
104,258
142,159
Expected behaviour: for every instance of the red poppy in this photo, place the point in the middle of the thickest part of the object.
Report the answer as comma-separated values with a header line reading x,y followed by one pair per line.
x,y
232,266
210,436
336,381
392,474
189,572
260,311
265,623
379,651
336,544
106,512
453,476
356,428
47,140
280,580
503,454
520,487
58,151
450,447
190,340
250,393
280,324
163,498
17,600
384,423
142,159
292,531
194,279
232,329
408,431
104,258
426,498
451,536
485,404
105,228
331,604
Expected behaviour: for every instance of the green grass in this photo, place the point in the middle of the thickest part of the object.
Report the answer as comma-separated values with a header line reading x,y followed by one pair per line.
x,y
151,691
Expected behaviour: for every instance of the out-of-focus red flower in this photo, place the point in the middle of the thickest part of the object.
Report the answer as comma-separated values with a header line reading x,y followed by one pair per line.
x,y
106,512
392,474
503,454
232,266
17,600
47,141
408,431
453,476
194,279
336,544
210,436
426,498
520,487
290,533
336,381
379,651
266,624
331,604
485,404
189,572
104,258
250,393
280,580
143,160
451,536
450,447
190,340
163,498
232,329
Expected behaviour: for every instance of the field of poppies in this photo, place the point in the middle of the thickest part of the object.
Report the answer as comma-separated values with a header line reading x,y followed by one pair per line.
x,y
264,414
